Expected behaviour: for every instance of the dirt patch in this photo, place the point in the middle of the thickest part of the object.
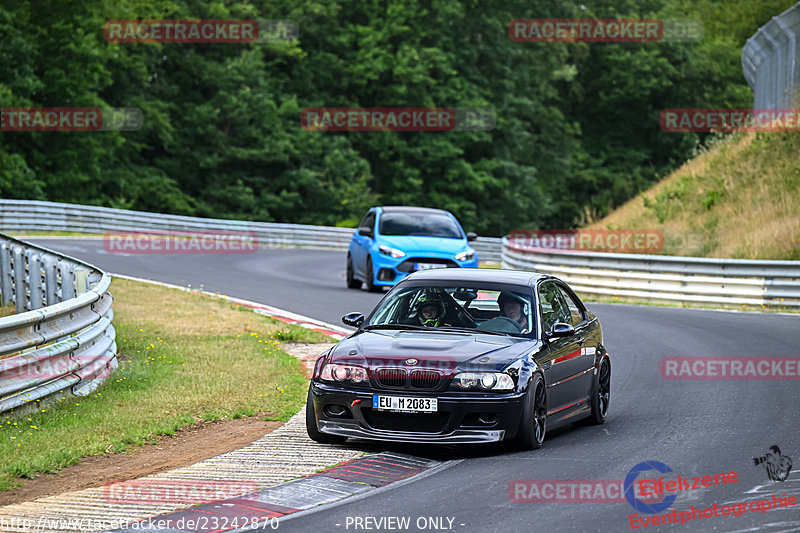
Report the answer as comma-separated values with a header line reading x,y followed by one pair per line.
x,y
187,446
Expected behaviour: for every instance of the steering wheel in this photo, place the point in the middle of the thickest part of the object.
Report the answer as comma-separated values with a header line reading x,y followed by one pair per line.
x,y
501,324
509,320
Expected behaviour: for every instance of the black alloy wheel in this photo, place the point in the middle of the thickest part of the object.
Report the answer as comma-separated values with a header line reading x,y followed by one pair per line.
x,y
533,425
601,395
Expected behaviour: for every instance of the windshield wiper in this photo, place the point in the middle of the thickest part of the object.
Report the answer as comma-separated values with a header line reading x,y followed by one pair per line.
x,y
472,330
443,328
398,326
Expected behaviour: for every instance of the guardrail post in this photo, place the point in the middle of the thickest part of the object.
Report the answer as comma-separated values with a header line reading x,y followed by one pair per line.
x,y
67,281
793,76
92,278
50,280
35,280
20,295
81,281
6,277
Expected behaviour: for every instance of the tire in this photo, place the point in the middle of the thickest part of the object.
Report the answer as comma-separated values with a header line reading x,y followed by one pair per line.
x,y
370,281
311,425
352,282
533,424
601,394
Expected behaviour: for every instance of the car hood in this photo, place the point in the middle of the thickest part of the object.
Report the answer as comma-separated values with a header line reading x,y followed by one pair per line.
x,y
435,245
438,350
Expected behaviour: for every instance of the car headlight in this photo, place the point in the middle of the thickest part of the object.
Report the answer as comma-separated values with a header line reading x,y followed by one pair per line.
x,y
484,380
466,255
339,373
394,252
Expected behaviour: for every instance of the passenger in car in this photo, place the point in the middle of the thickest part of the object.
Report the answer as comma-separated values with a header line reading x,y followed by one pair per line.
x,y
512,307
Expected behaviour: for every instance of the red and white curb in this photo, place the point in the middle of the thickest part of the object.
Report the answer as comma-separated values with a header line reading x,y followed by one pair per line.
x,y
265,508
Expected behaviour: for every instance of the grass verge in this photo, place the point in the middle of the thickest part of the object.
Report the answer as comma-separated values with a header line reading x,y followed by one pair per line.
x,y
184,358
737,198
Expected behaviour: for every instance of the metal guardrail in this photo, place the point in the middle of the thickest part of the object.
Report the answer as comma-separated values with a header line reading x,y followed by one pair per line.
x,y
665,278
653,277
770,61
25,215
61,338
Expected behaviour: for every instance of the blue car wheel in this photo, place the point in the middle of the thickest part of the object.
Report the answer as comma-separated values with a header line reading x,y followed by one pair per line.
x,y
352,282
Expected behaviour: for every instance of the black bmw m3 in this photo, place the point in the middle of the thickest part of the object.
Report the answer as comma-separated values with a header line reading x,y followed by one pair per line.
x,y
463,356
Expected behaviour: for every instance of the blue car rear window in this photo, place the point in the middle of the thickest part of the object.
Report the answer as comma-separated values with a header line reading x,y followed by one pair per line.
x,y
418,225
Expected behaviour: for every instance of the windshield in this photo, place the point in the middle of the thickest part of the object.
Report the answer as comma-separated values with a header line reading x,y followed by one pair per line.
x,y
419,224
492,308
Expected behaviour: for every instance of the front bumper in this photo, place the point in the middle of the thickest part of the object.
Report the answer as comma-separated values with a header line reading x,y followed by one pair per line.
x,y
388,270
461,418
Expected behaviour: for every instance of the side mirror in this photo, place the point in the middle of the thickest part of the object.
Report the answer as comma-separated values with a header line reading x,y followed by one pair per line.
x,y
354,319
365,231
471,236
561,329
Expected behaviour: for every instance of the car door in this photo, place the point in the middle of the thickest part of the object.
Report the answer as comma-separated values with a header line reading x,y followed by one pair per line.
x,y
361,245
586,335
563,363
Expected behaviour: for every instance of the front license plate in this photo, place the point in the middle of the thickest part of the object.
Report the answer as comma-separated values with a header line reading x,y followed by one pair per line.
x,y
404,403
426,266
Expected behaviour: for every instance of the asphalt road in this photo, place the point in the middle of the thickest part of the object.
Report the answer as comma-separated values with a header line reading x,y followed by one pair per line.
x,y
308,282
697,428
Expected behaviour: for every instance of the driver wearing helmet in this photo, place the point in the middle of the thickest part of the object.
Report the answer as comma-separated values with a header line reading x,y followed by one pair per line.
x,y
430,309
513,307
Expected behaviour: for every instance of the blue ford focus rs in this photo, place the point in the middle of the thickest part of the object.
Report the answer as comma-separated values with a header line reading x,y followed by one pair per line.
x,y
392,242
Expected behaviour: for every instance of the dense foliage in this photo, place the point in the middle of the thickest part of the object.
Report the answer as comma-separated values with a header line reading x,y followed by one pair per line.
x,y
577,123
